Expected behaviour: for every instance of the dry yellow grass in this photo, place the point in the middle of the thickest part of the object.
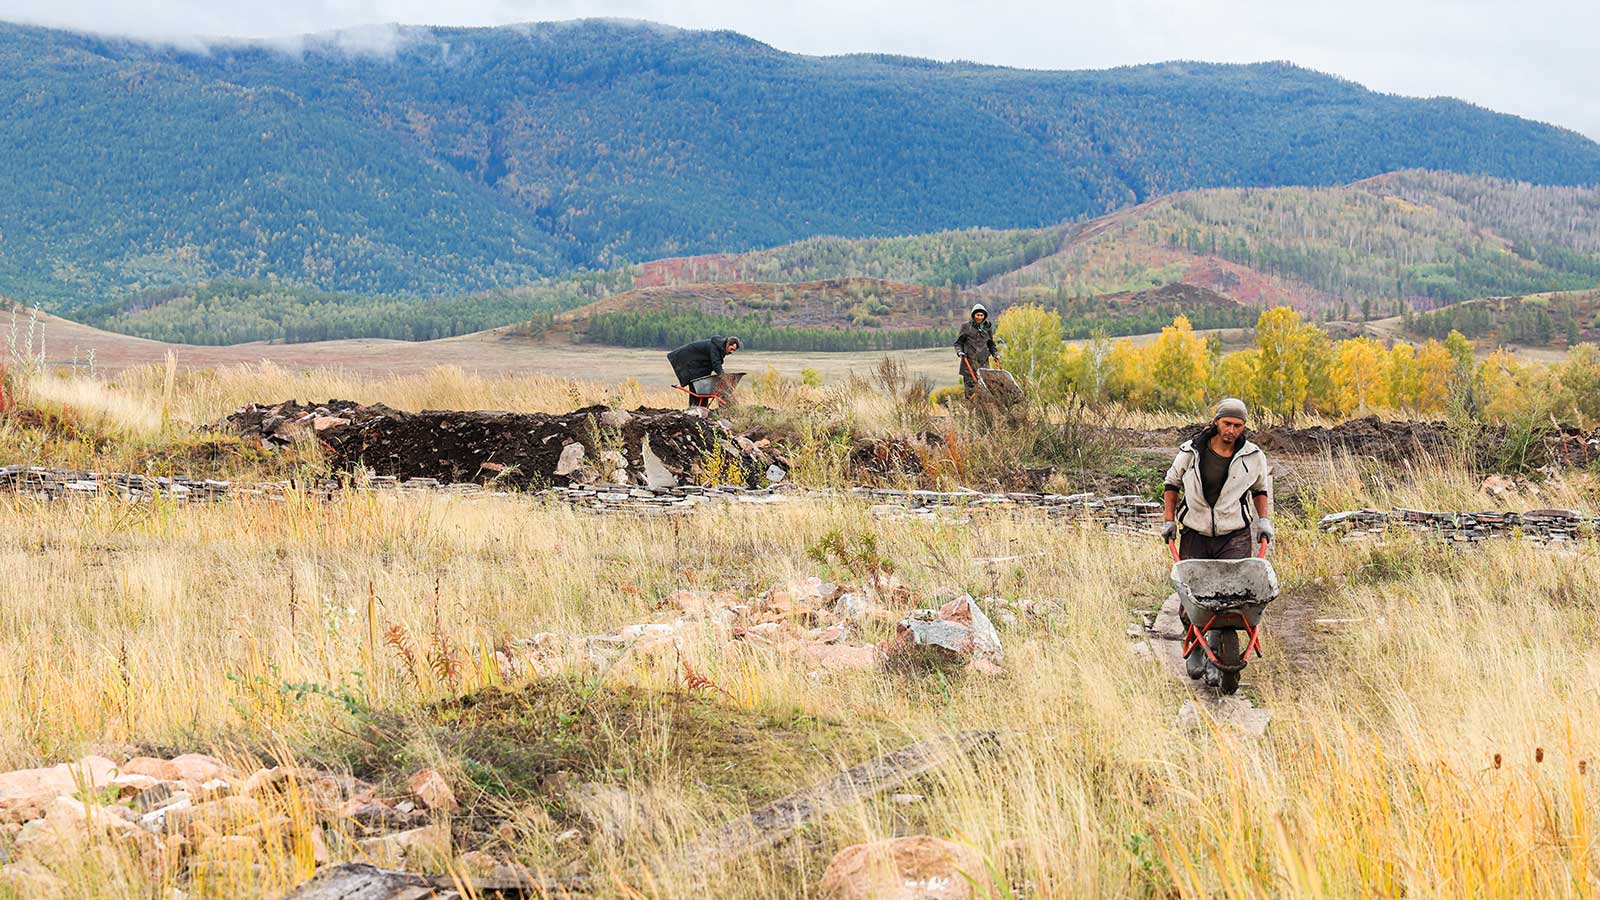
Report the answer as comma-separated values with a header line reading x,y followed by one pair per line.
x,y
180,626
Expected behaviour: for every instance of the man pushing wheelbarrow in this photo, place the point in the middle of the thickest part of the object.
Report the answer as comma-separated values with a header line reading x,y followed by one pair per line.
x,y
698,366
1226,488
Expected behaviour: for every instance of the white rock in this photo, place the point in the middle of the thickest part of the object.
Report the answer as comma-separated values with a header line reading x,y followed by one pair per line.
x,y
571,458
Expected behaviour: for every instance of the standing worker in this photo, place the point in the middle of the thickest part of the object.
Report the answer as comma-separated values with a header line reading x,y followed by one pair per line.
x,y
697,361
1221,475
975,346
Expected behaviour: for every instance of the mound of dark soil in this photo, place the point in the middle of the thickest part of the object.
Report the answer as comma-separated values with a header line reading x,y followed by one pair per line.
x,y
1370,436
647,447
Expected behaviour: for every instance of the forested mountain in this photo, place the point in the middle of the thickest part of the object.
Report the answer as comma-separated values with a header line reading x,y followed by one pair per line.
x,y
425,162
1371,249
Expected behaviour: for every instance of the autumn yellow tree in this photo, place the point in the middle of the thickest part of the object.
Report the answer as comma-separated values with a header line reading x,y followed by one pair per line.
x,y
1178,368
1403,376
1032,350
1085,368
1579,380
1128,373
1234,375
1281,380
1436,371
1321,361
1359,376
1507,391
1461,351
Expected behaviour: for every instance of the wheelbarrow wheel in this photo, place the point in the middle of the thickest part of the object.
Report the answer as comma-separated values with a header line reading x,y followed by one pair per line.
x,y
1225,644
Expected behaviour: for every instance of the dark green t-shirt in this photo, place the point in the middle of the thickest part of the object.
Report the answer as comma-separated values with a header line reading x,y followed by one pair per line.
x,y
1213,471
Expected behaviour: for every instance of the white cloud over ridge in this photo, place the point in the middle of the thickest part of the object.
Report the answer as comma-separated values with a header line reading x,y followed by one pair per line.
x,y
1535,60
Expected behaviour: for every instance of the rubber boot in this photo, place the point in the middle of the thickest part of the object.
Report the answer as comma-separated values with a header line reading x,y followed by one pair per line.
x,y
1195,663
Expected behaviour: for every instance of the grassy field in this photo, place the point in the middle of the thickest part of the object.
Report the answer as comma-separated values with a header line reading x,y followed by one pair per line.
x,y
498,352
1434,736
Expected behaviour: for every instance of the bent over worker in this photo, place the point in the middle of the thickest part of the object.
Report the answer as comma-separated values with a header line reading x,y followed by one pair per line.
x,y
696,362
1226,487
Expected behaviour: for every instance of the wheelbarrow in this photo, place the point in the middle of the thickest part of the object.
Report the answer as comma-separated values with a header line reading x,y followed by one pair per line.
x,y
1220,599
997,385
713,387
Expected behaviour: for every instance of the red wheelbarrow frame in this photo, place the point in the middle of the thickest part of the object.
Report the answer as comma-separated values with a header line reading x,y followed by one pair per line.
x,y
714,395
1196,634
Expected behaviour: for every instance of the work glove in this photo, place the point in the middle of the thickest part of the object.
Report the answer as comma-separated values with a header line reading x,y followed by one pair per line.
x,y
1169,531
1264,530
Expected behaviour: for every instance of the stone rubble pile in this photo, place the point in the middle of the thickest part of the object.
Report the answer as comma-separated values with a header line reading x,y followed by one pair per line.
x,y
178,818
1124,512
1118,512
822,624
1540,525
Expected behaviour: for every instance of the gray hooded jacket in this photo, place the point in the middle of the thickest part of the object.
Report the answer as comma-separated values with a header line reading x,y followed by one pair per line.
x,y
1248,474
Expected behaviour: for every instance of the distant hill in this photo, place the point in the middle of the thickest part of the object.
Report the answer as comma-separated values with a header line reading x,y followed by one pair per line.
x,y
1554,319
862,314
415,163
839,314
1365,250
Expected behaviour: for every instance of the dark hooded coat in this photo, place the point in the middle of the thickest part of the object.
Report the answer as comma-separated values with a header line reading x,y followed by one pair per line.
x,y
977,340
697,359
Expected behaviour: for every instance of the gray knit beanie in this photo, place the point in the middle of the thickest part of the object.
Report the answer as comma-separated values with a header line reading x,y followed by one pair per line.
x,y
1231,406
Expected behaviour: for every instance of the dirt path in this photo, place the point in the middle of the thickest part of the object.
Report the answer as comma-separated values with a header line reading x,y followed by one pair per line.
x,y
1289,649
1291,633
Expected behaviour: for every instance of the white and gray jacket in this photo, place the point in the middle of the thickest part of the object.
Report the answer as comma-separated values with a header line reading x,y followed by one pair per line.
x,y
1248,475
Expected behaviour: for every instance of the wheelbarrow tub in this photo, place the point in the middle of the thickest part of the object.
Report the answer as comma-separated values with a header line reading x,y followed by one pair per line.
x,y
721,385
1225,587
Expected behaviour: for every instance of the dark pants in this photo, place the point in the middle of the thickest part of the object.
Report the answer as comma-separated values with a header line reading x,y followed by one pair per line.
x,y
1194,545
969,373
698,401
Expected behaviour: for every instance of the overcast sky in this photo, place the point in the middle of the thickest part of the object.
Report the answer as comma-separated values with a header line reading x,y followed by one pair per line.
x,y
1539,59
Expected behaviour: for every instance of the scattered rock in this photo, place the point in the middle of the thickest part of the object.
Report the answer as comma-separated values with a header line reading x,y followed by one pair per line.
x,y
323,423
477,863
852,606
425,848
198,768
159,769
156,820
434,792
129,786
907,868
609,809
958,628
1235,712
68,825
845,657
224,814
